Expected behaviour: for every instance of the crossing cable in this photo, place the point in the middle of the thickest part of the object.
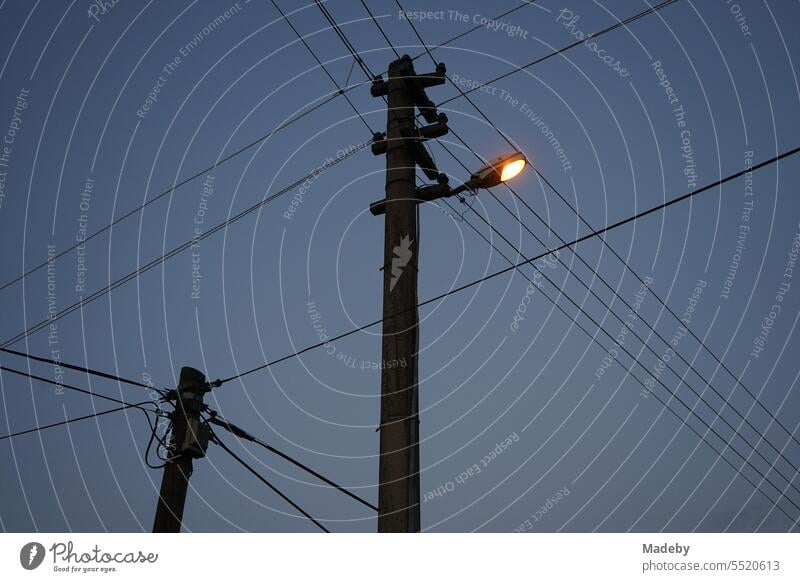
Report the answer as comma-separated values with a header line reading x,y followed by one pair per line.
x,y
587,38
665,404
583,238
69,387
525,4
340,91
616,254
375,20
180,248
610,310
86,370
71,420
355,54
337,29
215,439
242,434
125,405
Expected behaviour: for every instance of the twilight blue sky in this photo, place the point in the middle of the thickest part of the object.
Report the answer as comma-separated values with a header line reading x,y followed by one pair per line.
x,y
102,109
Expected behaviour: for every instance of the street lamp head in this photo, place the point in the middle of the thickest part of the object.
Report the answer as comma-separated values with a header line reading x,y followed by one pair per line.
x,y
498,170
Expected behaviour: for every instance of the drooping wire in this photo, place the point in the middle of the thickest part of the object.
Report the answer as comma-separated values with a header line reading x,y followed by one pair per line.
x,y
161,443
242,434
635,361
216,440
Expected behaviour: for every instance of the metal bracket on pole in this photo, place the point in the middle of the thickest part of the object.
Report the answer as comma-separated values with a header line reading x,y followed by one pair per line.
x,y
422,194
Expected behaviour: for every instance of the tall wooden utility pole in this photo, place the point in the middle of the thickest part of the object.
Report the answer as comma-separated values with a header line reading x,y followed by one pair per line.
x,y
398,491
189,441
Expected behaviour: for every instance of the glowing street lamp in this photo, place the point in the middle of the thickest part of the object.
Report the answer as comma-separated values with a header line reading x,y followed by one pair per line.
x,y
497,171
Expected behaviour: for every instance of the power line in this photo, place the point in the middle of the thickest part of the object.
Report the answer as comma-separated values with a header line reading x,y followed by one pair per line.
x,y
244,463
324,68
76,419
182,247
416,32
356,55
383,33
496,274
525,4
618,224
82,369
619,24
66,386
242,434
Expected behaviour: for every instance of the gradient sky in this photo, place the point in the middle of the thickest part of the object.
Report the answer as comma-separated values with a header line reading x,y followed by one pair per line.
x,y
588,451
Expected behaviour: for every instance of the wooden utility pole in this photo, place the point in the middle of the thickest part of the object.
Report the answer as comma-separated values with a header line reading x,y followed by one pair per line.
x,y
398,491
189,441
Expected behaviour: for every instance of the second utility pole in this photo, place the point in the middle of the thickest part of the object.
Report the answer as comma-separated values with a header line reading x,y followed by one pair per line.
x,y
189,441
